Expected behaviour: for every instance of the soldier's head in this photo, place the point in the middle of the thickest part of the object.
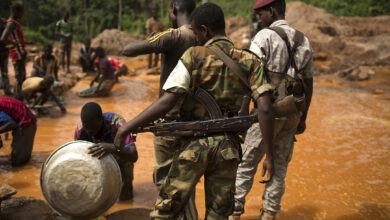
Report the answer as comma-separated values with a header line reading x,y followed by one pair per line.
x,y
66,16
100,52
47,82
92,118
270,11
208,21
47,50
180,9
17,10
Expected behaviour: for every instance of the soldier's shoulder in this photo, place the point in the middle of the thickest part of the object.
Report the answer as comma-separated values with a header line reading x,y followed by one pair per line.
x,y
198,52
244,54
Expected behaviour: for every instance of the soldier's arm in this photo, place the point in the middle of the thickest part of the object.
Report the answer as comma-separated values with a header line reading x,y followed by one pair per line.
x,y
266,121
138,48
308,74
8,29
309,93
156,110
158,43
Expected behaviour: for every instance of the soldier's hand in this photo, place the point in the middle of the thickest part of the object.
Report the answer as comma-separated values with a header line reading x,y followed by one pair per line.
x,y
301,127
120,138
99,150
268,167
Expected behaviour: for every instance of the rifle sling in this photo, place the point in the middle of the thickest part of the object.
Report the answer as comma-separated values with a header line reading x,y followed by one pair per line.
x,y
297,39
233,66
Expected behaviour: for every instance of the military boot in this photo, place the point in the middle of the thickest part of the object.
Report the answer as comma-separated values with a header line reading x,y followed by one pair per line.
x,y
267,215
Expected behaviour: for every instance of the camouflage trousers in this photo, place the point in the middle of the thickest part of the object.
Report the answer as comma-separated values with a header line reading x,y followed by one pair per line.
x,y
253,152
164,151
216,158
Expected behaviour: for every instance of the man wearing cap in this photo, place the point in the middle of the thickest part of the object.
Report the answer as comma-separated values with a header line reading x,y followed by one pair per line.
x,y
269,45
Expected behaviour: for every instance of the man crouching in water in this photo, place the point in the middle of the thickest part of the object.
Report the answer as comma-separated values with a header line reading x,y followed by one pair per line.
x,y
105,76
101,129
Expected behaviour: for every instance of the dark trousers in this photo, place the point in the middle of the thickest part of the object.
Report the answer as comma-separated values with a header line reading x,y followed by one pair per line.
x,y
22,144
127,172
4,72
86,63
20,75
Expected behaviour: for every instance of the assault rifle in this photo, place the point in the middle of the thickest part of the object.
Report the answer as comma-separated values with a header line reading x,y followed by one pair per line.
x,y
200,128
217,124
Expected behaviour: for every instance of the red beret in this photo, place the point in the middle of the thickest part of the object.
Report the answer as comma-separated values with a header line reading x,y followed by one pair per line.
x,y
261,3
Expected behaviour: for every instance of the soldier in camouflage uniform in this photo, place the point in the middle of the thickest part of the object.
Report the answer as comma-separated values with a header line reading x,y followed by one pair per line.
x,y
171,43
268,45
215,157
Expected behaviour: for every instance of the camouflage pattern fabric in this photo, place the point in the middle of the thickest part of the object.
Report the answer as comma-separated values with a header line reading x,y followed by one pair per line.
x,y
271,48
165,148
253,152
214,157
208,72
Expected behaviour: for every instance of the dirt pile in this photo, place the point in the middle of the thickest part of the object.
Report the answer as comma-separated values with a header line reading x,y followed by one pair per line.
x,y
113,41
346,42
233,24
237,29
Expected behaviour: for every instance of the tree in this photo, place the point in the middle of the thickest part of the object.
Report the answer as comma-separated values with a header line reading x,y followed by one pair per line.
x,y
119,14
86,18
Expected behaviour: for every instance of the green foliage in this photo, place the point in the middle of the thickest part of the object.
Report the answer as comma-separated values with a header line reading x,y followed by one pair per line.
x,y
353,7
41,15
35,36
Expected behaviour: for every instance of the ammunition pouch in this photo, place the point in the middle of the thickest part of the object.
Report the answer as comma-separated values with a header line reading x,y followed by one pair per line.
x,y
290,91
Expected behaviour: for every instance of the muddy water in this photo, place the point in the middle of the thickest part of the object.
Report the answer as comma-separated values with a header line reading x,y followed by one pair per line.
x,y
340,168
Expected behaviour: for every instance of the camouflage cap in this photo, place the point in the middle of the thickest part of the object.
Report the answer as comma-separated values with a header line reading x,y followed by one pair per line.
x,y
261,3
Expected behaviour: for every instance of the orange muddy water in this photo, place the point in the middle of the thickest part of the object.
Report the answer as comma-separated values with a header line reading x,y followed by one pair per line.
x,y
340,168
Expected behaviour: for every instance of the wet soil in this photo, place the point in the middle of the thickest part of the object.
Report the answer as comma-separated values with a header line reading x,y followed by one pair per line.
x,y
340,168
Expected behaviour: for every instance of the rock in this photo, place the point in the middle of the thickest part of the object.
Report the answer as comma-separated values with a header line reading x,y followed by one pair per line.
x,y
241,38
353,76
363,76
378,91
329,30
6,191
320,56
359,73
368,70
132,72
136,213
365,73
113,41
24,208
148,71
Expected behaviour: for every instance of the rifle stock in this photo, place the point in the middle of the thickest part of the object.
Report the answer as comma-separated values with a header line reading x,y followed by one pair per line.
x,y
200,128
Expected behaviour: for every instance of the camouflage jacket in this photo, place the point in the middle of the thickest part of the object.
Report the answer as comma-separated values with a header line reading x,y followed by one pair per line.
x,y
200,67
269,46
